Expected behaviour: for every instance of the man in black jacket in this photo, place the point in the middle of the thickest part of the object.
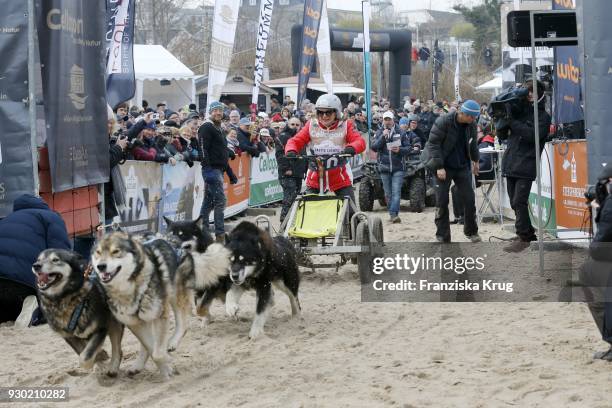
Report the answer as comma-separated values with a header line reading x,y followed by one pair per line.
x,y
519,164
290,171
596,273
214,157
450,152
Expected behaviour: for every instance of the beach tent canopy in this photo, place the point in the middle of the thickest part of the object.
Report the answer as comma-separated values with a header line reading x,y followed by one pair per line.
x,y
160,76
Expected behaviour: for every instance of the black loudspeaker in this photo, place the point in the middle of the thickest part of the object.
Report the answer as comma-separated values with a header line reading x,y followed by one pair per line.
x,y
547,25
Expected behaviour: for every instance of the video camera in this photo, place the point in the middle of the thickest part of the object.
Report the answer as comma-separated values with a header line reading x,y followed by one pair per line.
x,y
509,104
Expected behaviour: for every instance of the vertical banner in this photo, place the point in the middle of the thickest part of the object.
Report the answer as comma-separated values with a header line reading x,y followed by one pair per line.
x,y
72,55
567,77
324,51
310,31
120,80
367,72
16,167
595,44
222,46
458,75
263,33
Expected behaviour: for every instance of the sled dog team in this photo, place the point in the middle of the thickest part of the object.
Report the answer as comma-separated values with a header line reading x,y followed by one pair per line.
x,y
138,280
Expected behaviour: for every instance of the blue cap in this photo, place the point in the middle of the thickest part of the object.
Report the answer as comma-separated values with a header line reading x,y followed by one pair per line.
x,y
245,121
150,125
404,121
471,108
215,105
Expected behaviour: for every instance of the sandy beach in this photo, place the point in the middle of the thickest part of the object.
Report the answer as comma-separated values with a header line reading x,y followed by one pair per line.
x,y
343,352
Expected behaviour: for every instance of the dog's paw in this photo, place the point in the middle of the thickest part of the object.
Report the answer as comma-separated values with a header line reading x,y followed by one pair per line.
x,y
231,309
172,345
109,372
256,332
86,364
133,371
166,371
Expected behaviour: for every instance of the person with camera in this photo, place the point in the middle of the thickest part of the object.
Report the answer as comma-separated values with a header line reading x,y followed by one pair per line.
x,y
247,142
393,145
113,195
290,172
596,274
451,152
519,160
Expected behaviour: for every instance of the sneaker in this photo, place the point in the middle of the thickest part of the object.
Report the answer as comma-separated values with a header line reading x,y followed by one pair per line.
x,y
516,246
603,355
220,239
474,238
396,220
25,317
442,240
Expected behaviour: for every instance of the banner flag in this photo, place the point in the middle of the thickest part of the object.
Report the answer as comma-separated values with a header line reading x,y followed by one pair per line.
x,y
263,33
367,72
72,56
310,31
16,167
222,47
458,75
567,78
324,51
120,80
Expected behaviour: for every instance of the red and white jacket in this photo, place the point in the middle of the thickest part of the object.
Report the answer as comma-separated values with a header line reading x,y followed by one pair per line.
x,y
314,135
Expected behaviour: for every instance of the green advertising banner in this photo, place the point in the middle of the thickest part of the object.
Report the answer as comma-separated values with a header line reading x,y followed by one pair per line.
x,y
265,187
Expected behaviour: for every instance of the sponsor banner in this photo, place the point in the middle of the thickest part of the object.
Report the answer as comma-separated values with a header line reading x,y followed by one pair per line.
x,y
310,27
222,46
458,75
547,170
178,188
367,72
265,187
324,51
142,197
16,167
571,179
263,33
120,81
72,54
567,77
511,57
237,194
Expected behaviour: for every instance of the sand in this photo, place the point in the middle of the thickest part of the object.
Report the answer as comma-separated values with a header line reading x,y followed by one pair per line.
x,y
347,353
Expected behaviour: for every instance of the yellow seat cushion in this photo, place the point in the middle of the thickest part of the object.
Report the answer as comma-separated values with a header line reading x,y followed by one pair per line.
x,y
316,217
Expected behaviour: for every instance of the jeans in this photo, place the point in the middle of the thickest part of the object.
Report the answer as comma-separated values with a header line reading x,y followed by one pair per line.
x,y
465,192
392,184
214,198
291,189
518,192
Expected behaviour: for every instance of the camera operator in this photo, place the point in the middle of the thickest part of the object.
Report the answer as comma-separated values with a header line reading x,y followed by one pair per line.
x,y
519,161
596,273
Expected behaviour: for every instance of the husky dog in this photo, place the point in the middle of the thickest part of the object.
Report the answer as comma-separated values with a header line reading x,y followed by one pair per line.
x,y
257,261
142,284
76,308
204,261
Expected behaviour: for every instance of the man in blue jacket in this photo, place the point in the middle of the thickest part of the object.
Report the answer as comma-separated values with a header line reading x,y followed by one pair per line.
x,y
31,228
392,145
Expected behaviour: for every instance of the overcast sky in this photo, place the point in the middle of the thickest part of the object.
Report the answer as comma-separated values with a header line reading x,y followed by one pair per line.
x,y
445,5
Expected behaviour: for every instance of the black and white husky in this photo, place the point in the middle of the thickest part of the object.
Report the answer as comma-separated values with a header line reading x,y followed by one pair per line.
x,y
259,261
204,260
76,308
142,283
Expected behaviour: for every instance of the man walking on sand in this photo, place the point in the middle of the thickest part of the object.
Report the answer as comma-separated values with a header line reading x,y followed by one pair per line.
x,y
451,152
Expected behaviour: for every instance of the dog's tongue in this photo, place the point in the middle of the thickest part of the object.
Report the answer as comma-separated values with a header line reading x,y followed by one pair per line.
x,y
43,278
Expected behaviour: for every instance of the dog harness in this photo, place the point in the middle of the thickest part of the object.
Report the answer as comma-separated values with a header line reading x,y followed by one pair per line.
x,y
78,310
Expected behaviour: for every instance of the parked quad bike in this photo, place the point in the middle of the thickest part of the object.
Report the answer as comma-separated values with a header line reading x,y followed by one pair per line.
x,y
415,187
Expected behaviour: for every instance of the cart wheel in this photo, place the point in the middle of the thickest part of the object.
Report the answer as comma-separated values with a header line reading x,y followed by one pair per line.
x,y
366,195
364,259
376,228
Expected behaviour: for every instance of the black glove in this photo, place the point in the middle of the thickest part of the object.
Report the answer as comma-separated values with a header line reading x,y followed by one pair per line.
x,y
291,153
161,158
231,154
349,150
233,179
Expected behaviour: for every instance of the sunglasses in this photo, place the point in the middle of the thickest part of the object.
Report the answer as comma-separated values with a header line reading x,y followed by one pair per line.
x,y
325,112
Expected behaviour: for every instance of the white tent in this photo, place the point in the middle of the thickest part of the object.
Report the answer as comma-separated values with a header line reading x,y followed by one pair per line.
x,y
494,85
161,77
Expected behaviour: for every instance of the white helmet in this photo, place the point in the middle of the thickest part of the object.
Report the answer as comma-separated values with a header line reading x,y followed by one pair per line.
x,y
330,101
